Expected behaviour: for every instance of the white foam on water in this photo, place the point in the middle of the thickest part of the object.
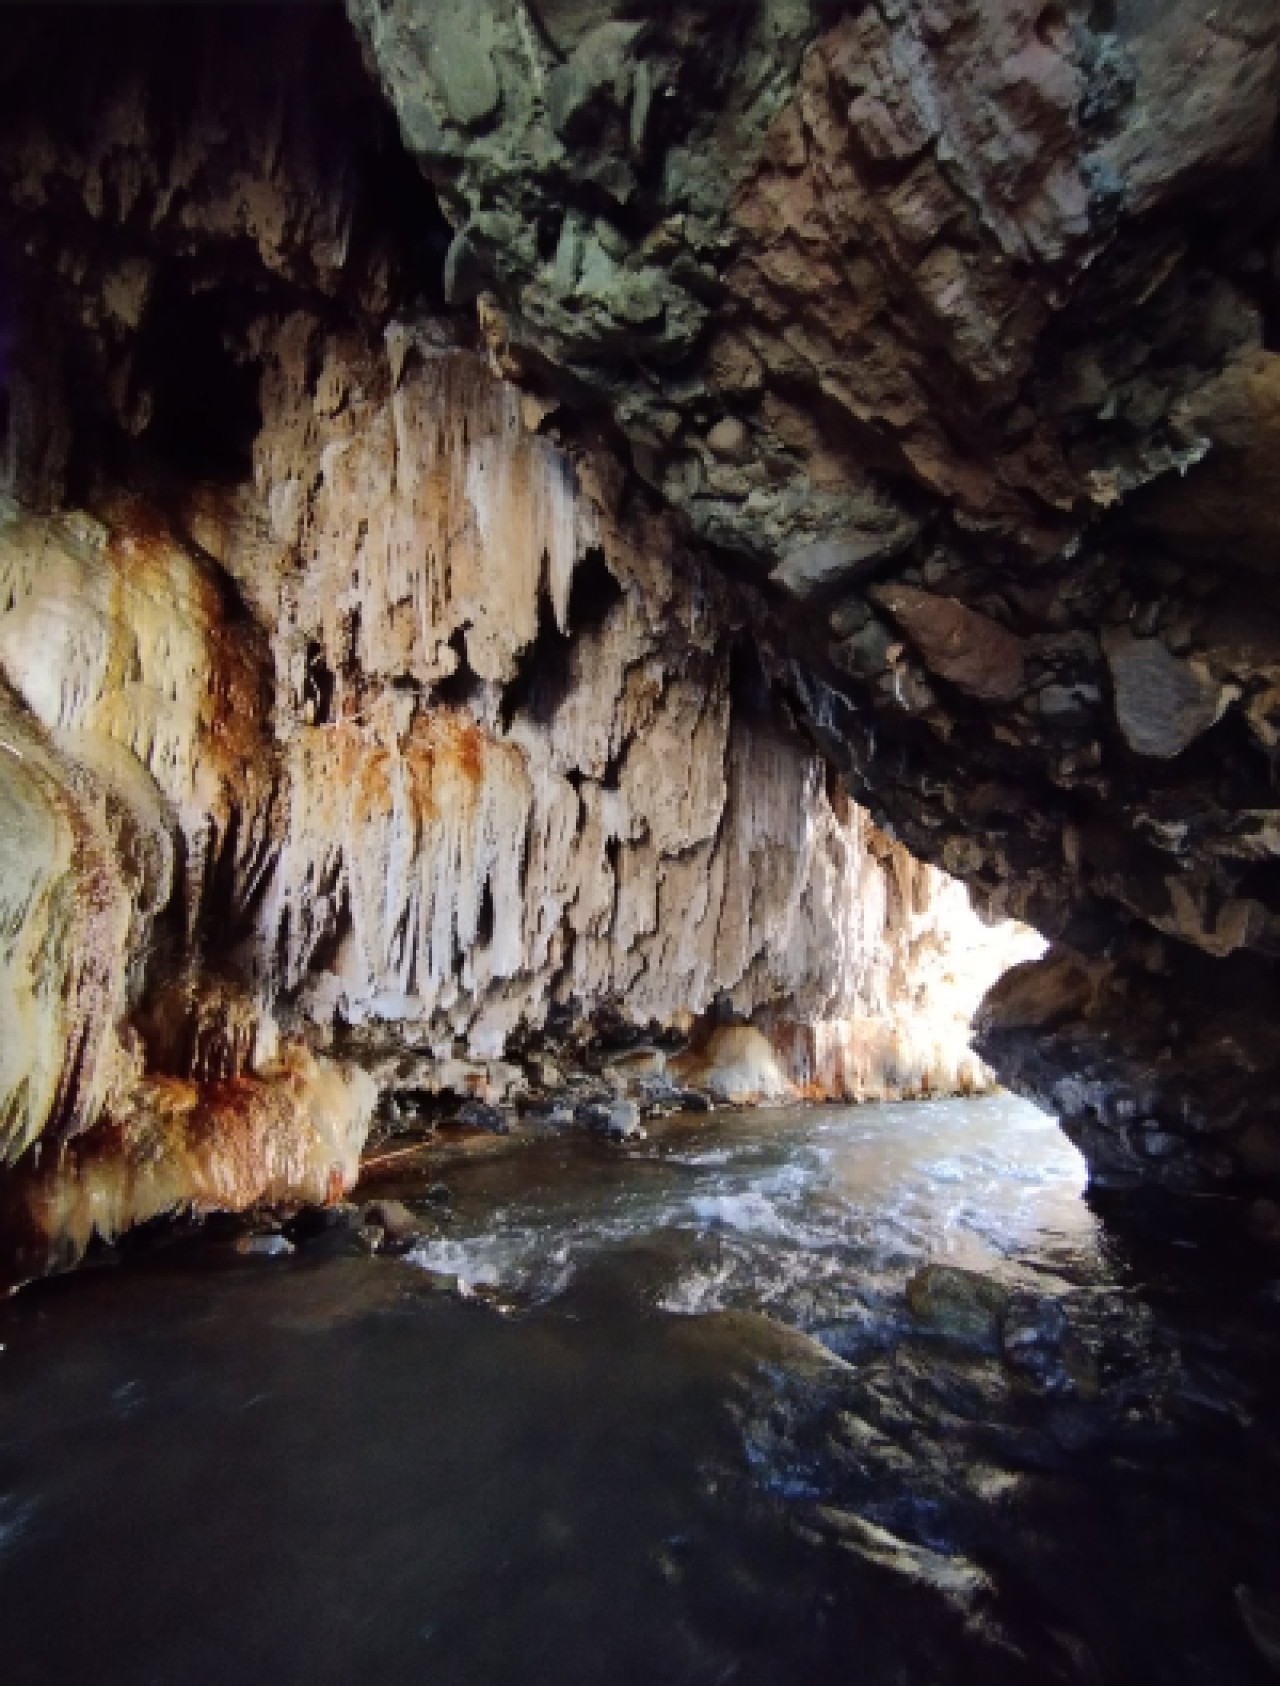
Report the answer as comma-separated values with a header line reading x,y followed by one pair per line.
x,y
752,1212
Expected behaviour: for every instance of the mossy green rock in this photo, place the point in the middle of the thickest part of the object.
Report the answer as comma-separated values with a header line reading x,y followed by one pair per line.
x,y
461,62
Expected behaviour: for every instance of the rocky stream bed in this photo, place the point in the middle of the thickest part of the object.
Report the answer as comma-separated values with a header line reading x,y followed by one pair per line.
x,y
811,1395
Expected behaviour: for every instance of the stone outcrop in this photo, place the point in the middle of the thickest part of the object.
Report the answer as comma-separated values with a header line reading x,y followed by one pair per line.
x,y
482,522
469,755
956,326
372,722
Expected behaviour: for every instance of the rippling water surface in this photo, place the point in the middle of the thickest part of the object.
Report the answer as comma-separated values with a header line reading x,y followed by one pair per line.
x,y
676,1425
815,1215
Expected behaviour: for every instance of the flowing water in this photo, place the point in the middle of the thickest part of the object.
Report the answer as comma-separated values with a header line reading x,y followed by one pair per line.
x,y
661,1414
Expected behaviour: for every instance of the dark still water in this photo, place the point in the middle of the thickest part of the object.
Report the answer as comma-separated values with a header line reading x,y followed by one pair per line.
x,y
684,1429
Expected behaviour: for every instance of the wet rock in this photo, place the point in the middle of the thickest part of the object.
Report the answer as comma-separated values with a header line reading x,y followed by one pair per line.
x,y
693,1100
480,1115
354,1241
960,1582
264,1246
394,1218
552,1115
958,1304
1038,1343
312,1221
1261,1617
445,1282
624,1121
1030,1324
618,1119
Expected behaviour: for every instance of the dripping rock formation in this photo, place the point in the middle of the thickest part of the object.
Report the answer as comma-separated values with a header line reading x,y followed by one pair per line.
x,y
519,514
365,735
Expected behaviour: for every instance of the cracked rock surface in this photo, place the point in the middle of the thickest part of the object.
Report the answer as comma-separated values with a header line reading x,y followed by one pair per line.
x,y
532,508
367,721
954,329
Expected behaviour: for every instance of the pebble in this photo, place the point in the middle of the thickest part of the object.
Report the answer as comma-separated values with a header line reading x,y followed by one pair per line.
x,y
264,1246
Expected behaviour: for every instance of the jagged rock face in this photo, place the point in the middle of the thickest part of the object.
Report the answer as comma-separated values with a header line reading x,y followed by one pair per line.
x,y
360,713
895,421
472,756
958,324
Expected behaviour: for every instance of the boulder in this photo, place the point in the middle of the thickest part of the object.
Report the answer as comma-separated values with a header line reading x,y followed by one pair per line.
x,y
970,651
824,563
1162,704
479,1115
618,1119
961,1305
394,1218
552,1114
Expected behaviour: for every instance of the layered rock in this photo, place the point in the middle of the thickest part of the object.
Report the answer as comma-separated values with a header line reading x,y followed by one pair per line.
x,y
467,750
883,417
357,726
958,323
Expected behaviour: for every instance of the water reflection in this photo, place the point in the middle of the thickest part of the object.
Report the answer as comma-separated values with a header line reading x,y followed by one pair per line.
x,y
817,1215
691,1437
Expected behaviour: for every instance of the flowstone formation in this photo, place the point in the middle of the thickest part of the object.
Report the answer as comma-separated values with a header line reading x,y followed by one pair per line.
x,y
522,512
369,731
953,328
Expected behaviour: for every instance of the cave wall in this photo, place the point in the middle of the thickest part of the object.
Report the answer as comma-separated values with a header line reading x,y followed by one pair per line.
x,y
361,713
953,328
849,403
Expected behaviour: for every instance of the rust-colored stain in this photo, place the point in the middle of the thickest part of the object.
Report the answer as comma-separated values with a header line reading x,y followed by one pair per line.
x,y
470,746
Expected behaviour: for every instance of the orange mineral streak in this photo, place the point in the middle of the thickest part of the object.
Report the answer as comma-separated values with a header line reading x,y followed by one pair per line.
x,y
292,1135
336,728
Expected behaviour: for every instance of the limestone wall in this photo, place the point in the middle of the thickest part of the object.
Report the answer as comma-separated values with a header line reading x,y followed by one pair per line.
x,y
420,736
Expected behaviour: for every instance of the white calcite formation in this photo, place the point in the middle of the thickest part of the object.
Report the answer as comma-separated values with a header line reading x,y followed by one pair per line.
x,y
419,736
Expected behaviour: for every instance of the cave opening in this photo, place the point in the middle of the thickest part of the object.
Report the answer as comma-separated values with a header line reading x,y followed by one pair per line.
x,y
707,1310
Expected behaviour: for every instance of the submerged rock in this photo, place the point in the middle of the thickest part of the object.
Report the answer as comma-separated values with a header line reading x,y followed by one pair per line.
x,y
959,1582
958,1304
399,1223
